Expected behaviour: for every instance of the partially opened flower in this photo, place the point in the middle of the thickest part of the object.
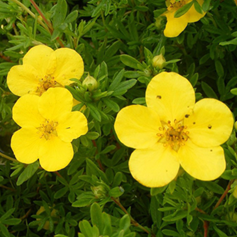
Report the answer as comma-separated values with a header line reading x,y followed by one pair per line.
x,y
43,68
48,127
175,25
172,131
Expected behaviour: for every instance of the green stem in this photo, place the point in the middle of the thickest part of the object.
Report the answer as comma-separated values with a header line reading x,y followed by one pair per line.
x,y
31,13
131,218
7,157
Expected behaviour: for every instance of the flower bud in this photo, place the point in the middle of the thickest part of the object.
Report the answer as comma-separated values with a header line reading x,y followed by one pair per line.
x,y
90,83
99,191
158,61
235,125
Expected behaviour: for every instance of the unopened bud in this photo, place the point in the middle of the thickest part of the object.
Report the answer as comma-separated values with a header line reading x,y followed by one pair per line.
x,y
90,83
158,61
99,191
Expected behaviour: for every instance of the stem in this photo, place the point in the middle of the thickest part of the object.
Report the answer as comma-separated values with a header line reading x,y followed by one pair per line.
x,y
133,222
205,226
42,15
50,27
223,195
3,186
31,13
7,157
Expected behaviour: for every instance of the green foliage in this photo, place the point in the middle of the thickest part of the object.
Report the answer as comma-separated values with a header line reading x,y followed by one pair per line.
x,y
95,195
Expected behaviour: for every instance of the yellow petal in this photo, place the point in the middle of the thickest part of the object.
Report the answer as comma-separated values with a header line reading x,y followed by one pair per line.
x,y
55,103
25,111
72,126
174,26
210,124
55,154
154,167
22,79
170,95
202,163
69,65
25,144
41,58
136,126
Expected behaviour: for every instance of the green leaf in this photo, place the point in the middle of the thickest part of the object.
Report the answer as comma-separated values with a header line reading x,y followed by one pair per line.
x,y
140,101
234,91
96,216
7,214
92,169
131,62
92,135
124,222
208,90
117,179
183,10
176,216
84,199
11,221
124,86
206,5
60,13
116,80
60,193
107,224
111,104
198,8
170,232
86,228
108,149
193,80
4,231
219,68
233,41
214,187
71,17
28,172
116,192
155,191
219,232
94,112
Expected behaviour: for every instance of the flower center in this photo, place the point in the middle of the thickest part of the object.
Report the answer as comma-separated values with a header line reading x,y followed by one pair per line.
x,y
47,129
174,135
45,83
174,5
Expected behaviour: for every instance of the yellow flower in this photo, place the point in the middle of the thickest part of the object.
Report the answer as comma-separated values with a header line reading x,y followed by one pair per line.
x,y
175,26
172,131
44,68
48,127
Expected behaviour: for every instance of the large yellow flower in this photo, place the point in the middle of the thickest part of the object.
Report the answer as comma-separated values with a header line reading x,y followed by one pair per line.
x,y
48,127
175,26
172,131
44,68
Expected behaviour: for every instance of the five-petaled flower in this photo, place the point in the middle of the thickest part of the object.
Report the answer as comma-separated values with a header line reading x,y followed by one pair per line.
x,y
175,26
43,68
48,127
172,130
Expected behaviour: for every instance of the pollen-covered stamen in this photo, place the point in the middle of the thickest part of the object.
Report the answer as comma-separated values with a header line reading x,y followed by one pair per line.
x,y
173,134
173,4
45,83
47,129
